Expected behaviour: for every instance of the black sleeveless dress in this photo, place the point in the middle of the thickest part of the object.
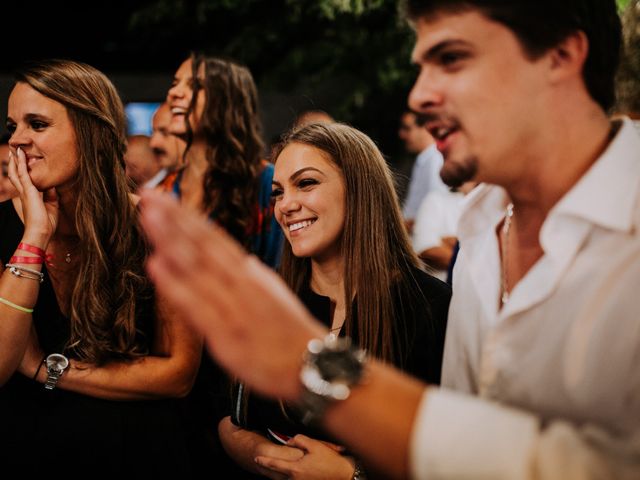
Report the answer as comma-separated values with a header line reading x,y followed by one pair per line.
x,y
59,431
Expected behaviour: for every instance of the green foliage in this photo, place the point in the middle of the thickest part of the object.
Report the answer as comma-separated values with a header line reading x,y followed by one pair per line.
x,y
628,80
622,4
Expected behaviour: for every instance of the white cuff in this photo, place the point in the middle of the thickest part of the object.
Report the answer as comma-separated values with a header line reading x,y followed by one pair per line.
x,y
459,436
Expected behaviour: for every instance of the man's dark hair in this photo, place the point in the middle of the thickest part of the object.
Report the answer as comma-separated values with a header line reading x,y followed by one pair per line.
x,y
542,24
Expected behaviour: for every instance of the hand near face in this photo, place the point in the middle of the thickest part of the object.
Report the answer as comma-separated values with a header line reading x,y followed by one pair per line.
x,y
320,462
254,325
40,210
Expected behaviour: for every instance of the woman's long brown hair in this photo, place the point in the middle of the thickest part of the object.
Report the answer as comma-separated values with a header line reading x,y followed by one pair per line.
x,y
379,261
231,126
111,280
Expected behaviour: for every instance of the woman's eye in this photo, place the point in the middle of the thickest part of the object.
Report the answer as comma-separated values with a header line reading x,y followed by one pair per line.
x,y
307,182
11,127
276,193
38,125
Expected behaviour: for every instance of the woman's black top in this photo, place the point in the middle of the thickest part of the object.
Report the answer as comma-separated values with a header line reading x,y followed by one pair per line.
x,y
60,431
421,318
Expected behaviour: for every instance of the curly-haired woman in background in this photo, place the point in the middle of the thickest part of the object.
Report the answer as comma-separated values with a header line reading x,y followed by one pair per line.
x,y
214,106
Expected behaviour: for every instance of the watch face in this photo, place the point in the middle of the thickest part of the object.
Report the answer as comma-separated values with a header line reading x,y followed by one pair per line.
x,y
57,362
338,365
336,359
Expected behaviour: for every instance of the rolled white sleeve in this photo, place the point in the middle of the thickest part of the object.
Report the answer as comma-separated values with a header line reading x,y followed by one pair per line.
x,y
457,436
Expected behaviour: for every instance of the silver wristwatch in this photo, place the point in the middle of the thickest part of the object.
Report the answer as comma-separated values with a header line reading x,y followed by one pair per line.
x,y
332,366
56,365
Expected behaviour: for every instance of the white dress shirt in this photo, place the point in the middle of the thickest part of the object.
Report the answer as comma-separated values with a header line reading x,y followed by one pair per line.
x,y
437,218
154,181
425,178
549,386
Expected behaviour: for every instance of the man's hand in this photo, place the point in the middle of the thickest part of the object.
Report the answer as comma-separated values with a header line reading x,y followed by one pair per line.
x,y
253,324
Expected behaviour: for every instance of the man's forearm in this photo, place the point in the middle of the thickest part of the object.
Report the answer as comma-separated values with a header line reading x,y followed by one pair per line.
x,y
376,421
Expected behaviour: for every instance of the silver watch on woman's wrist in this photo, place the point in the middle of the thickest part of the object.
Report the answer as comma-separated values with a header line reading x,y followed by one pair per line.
x,y
56,364
332,366
358,472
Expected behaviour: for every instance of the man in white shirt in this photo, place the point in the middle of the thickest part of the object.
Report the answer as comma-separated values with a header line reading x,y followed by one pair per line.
x,y
541,363
168,149
425,174
436,228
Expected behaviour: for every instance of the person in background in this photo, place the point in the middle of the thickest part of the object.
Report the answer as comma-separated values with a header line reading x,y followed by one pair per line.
x,y
540,373
142,165
7,190
93,364
335,200
214,107
425,175
436,226
168,148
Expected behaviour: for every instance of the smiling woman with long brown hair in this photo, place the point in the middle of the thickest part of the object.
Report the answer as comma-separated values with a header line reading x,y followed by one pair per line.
x,y
79,314
349,260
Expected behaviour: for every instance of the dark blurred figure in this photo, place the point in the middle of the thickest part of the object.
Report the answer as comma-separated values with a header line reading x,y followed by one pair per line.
x,y
7,190
142,165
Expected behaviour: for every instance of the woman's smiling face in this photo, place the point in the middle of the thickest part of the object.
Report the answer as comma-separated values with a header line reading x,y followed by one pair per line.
x,y
309,193
42,129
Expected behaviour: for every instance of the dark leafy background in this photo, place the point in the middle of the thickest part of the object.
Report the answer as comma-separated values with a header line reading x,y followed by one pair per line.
x,y
349,57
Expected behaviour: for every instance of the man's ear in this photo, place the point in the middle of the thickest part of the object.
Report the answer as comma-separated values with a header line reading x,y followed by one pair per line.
x,y
569,56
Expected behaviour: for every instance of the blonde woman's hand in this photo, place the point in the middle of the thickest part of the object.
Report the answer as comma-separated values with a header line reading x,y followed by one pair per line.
x,y
39,209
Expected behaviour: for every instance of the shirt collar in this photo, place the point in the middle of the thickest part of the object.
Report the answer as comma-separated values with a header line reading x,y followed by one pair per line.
x,y
606,193
156,179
